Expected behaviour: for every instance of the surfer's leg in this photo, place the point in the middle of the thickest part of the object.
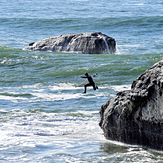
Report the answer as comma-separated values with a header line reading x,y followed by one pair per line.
x,y
94,87
85,87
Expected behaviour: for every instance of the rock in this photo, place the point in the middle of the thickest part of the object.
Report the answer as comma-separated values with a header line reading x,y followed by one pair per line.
x,y
87,43
31,44
136,116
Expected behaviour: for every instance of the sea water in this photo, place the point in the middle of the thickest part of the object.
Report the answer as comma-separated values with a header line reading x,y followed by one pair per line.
x,y
44,117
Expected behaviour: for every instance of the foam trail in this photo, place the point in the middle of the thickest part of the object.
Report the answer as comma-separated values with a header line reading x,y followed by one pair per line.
x,y
107,47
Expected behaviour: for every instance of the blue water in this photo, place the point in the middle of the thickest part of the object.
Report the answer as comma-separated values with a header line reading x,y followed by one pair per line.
x,y
44,117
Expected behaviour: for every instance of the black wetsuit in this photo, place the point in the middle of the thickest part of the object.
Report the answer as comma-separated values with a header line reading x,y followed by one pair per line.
x,y
91,83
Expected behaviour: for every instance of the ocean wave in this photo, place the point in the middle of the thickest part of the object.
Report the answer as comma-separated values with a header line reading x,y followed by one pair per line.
x,y
148,20
25,123
57,92
121,87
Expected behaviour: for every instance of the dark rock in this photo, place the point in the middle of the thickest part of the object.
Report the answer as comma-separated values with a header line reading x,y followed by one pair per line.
x,y
136,116
31,44
87,43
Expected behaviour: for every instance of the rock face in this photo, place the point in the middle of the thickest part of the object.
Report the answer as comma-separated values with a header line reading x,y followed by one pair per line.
x,y
87,43
136,116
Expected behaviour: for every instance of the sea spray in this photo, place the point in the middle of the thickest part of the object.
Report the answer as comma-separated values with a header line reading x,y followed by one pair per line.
x,y
107,47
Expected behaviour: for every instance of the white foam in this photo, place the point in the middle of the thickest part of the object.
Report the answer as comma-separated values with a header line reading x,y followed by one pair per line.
x,y
58,96
137,45
62,91
121,87
64,86
107,47
32,86
11,98
25,125
66,96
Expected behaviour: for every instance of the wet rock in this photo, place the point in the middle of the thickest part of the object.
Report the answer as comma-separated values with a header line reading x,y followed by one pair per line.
x,y
31,44
136,116
87,43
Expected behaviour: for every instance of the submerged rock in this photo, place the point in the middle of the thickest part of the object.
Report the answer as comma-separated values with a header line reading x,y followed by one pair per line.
x,y
136,115
87,43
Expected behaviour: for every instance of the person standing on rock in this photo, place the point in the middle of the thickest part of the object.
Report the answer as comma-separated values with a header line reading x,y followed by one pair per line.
x,y
91,82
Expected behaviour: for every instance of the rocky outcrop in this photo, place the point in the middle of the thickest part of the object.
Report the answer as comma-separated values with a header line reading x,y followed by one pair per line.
x,y
136,116
87,43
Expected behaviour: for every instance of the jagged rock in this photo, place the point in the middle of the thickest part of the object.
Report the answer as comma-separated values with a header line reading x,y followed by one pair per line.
x,y
87,43
136,116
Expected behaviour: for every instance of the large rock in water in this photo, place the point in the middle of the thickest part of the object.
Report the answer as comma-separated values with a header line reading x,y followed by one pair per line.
x,y
136,116
87,43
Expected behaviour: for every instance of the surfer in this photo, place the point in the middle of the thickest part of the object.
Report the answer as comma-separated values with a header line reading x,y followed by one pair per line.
x,y
91,82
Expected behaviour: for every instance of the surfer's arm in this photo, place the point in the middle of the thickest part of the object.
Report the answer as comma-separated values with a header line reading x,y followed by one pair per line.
x,y
83,77
95,75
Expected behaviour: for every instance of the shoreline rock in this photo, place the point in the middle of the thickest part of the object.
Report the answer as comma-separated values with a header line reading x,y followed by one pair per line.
x,y
136,116
86,43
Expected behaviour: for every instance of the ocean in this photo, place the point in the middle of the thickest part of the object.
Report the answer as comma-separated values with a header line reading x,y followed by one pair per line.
x,y
44,117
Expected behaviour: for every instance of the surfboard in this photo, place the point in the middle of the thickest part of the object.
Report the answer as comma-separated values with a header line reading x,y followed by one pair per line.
x,y
87,80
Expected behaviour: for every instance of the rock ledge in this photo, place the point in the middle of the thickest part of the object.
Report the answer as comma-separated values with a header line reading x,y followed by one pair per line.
x,y
87,43
136,116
